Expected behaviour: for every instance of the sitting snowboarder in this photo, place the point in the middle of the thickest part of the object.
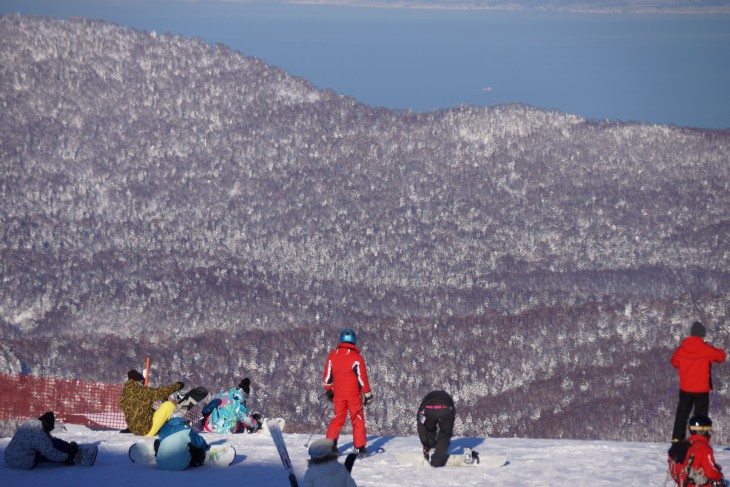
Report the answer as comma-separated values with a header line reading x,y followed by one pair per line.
x,y
32,443
324,469
136,402
178,446
435,425
692,463
228,413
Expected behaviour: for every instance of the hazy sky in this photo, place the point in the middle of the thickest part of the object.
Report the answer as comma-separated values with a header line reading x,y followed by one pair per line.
x,y
671,69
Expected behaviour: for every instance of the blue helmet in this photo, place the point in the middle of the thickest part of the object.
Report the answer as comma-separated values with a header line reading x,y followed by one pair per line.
x,y
348,336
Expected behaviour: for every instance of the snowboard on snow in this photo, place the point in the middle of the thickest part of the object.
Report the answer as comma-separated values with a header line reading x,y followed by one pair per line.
x,y
274,429
187,401
86,456
220,456
143,453
455,460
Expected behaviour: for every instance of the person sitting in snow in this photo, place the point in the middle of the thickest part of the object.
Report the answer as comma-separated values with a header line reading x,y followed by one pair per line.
x,y
228,413
32,443
136,402
698,467
324,469
435,425
178,446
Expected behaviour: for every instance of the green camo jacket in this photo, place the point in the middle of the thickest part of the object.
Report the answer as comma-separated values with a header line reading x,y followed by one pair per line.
x,y
136,402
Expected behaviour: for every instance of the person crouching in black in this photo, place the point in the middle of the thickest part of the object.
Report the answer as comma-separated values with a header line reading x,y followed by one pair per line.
x,y
436,416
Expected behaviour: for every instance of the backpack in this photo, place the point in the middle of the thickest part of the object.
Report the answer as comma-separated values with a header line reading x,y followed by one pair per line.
x,y
679,464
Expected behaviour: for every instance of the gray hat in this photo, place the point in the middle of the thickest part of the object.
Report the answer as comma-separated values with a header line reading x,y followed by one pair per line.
x,y
321,448
697,330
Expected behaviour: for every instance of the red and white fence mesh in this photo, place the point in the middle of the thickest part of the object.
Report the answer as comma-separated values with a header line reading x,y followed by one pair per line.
x,y
93,404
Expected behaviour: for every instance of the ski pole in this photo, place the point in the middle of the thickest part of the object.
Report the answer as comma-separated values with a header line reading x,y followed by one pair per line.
x,y
324,410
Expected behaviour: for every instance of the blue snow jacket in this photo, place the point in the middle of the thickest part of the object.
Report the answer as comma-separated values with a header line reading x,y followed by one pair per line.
x,y
173,452
231,415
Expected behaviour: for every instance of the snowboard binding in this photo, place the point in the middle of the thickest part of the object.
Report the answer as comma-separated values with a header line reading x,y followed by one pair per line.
x,y
186,402
470,456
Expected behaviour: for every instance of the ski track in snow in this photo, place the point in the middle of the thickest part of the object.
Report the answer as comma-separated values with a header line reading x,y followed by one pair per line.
x,y
532,462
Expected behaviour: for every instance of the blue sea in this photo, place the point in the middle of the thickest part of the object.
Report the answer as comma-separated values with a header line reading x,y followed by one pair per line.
x,y
666,69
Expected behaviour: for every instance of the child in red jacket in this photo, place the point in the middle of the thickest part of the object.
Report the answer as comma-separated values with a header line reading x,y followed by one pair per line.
x,y
700,460
693,360
346,385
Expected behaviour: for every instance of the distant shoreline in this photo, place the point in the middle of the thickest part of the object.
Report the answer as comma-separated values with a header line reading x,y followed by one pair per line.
x,y
637,8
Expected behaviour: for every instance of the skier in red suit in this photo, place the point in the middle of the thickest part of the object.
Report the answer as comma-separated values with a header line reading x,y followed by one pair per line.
x,y
346,385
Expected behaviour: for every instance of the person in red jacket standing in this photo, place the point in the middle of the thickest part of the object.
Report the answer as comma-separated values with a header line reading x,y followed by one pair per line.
x,y
693,360
346,385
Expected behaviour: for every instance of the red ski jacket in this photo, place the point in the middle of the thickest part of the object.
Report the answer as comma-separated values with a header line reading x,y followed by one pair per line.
x,y
345,373
693,359
703,461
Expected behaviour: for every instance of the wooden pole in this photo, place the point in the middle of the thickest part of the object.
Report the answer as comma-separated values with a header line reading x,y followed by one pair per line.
x,y
147,370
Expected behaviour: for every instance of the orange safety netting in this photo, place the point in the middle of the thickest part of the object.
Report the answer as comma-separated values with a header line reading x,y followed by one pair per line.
x,y
93,404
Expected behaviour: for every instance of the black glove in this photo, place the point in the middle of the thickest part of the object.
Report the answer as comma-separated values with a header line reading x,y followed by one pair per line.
x,y
330,395
197,455
350,461
73,449
180,385
245,385
259,421
367,398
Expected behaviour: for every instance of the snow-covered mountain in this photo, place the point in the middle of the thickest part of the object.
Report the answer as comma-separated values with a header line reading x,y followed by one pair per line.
x,y
164,196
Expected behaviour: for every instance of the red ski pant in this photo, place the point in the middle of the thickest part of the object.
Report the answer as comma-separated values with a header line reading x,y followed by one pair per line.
x,y
343,406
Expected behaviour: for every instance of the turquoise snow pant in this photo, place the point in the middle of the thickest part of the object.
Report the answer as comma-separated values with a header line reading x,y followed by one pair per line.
x,y
173,453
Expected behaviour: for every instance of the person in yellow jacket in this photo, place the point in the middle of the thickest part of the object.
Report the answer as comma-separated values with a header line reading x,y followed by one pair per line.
x,y
136,402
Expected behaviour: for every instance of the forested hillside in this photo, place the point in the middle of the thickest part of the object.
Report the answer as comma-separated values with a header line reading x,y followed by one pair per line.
x,y
161,195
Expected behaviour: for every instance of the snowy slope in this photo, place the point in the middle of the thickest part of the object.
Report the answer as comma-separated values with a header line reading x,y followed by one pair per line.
x,y
531,463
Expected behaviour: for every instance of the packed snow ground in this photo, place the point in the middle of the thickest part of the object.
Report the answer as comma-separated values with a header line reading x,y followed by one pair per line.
x,y
543,463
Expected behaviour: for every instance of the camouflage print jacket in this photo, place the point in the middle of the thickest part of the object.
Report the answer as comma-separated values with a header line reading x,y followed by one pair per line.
x,y
136,402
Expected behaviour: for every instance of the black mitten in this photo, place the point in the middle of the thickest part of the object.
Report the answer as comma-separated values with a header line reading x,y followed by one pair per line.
x,y
197,455
245,385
